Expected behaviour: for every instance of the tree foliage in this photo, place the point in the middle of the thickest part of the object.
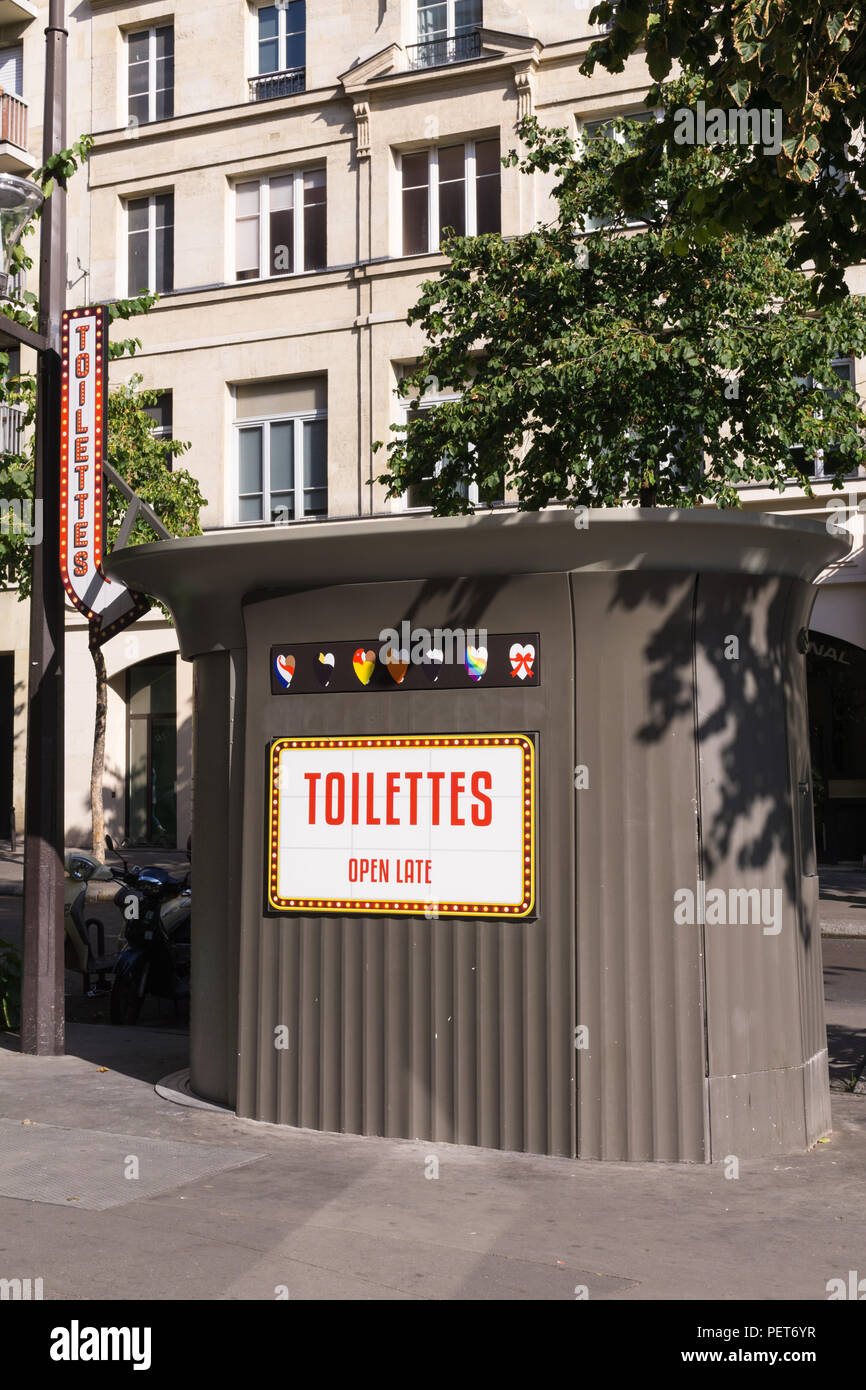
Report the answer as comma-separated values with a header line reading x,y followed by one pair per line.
x,y
605,363
805,58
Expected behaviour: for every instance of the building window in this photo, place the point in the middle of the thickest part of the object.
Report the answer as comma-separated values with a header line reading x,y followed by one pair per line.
x,y
418,496
151,702
282,51
270,239
161,413
12,69
604,130
282,430
453,186
823,463
151,74
151,244
449,31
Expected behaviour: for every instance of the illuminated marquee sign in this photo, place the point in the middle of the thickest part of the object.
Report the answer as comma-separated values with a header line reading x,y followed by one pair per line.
x,y
438,824
108,604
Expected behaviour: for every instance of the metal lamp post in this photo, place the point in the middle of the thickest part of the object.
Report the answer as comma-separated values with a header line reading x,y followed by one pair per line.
x,y
42,1022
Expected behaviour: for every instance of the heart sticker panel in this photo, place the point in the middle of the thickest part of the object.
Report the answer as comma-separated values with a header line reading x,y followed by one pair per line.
x,y
509,660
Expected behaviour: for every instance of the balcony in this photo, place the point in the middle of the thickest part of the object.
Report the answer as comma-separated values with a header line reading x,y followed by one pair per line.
x,y
278,84
16,11
11,429
436,53
14,156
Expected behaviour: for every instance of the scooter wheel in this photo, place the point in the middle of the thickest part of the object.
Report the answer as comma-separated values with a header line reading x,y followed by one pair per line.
x,y
127,995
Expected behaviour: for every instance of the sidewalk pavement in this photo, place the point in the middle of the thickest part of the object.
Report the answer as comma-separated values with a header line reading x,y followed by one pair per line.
x,y
230,1209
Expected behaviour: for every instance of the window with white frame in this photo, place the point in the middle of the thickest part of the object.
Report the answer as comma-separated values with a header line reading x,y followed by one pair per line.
x,y
449,31
603,129
453,185
150,228
280,224
161,413
151,74
418,496
282,450
282,37
822,462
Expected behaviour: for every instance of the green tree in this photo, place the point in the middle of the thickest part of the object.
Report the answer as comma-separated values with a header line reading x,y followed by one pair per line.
x,y
144,461
606,363
806,58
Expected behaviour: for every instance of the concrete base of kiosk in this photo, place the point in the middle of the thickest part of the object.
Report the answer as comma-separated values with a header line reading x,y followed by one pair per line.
x,y
662,998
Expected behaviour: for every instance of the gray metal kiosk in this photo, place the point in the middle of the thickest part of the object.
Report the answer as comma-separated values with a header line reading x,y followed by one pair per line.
x,y
652,988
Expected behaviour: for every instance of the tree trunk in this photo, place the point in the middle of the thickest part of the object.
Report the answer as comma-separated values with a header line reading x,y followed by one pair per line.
x,y
97,811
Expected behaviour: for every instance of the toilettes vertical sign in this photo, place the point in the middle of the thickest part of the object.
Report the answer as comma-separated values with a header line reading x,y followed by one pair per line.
x,y
107,604
436,824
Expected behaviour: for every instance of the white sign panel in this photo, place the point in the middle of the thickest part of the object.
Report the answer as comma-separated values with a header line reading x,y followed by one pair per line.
x,y
439,824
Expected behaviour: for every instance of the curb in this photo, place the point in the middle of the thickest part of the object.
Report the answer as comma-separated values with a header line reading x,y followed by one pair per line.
x,y
175,1087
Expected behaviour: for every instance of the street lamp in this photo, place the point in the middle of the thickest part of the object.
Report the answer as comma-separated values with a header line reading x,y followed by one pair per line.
x,y
20,200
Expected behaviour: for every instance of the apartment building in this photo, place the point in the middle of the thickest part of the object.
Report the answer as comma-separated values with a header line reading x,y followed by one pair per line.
x,y
280,174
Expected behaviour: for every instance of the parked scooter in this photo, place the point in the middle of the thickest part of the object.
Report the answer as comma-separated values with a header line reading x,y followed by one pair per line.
x,y
84,942
156,959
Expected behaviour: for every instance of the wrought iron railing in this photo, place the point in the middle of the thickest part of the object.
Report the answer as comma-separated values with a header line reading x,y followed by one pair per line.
x,y
278,84
435,53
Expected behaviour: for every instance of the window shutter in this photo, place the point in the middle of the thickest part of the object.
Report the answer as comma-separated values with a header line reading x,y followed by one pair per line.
x,y
287,396
12,70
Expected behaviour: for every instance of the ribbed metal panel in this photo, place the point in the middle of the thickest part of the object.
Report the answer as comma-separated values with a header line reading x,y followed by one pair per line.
x,y
764,999
641,1081
452,1030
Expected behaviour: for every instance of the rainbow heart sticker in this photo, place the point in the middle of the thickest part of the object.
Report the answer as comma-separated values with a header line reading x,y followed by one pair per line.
x,y
364,664
285,669
325,668
476,662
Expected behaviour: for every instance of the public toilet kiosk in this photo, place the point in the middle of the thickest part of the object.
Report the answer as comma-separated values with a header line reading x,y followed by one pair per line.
x,y
554,890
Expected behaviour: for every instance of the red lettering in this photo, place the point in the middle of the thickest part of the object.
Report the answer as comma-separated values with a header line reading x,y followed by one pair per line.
x,y
82,393
80,563
81,455
371,819
312,778
79,533
457,781
81,474
335,780
81,498
428,864
353,871
436,779
392,780
82,329
482,814
413,778
80,427
356,784
82,364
